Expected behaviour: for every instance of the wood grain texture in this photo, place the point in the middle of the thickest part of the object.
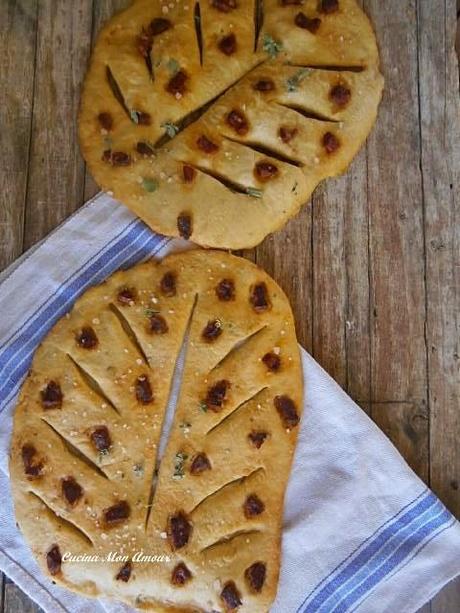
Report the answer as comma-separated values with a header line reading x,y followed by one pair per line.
x,y
340,280
448,600
56,170
17,59
287,256
397,309
406,425
440,163
371,265
396,215
17,602
340,284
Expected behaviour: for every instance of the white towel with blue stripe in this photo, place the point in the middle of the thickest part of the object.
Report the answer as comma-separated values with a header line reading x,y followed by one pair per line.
x,y
361,531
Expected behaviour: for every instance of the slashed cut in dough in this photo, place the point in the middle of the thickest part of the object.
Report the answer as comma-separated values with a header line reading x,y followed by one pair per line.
x,y
86,474
215,120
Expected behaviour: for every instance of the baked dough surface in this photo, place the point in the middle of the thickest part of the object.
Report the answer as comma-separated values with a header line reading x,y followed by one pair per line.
x,y
87,436
216,125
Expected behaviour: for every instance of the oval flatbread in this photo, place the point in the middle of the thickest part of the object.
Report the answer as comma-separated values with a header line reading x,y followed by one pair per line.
x,y
124,492
215,120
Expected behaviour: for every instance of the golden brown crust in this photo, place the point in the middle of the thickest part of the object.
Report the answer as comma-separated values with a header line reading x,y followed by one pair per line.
x,y
297,111
87,433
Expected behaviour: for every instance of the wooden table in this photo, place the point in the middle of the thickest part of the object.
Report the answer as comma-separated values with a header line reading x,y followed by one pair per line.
x,y
371,265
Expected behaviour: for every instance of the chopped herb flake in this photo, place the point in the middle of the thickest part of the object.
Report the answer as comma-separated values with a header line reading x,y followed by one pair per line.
x,y
150,185
254,192
170,128
102,454
179,465
150,312
138,470
203,406
134,116
173,66
294,81
271,46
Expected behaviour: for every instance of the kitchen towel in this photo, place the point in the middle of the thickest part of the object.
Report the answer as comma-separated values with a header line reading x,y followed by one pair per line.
x,y
361,531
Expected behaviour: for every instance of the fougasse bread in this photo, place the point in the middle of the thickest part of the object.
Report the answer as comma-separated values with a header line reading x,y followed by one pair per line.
x,y
215,120
103,472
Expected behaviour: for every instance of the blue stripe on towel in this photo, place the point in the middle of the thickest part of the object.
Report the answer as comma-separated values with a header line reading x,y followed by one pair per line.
x,y
85,263
379,556
133,244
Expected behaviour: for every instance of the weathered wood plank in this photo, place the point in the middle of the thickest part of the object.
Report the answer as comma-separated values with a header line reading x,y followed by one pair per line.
x,y
357,310
439,40
56,171
287,256
17,55
407,426
17,602
448,599
440,131
340,279
395,196
103,10
329,278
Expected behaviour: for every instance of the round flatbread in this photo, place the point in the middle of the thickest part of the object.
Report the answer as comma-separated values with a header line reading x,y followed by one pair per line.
x,y
167,505
216,120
